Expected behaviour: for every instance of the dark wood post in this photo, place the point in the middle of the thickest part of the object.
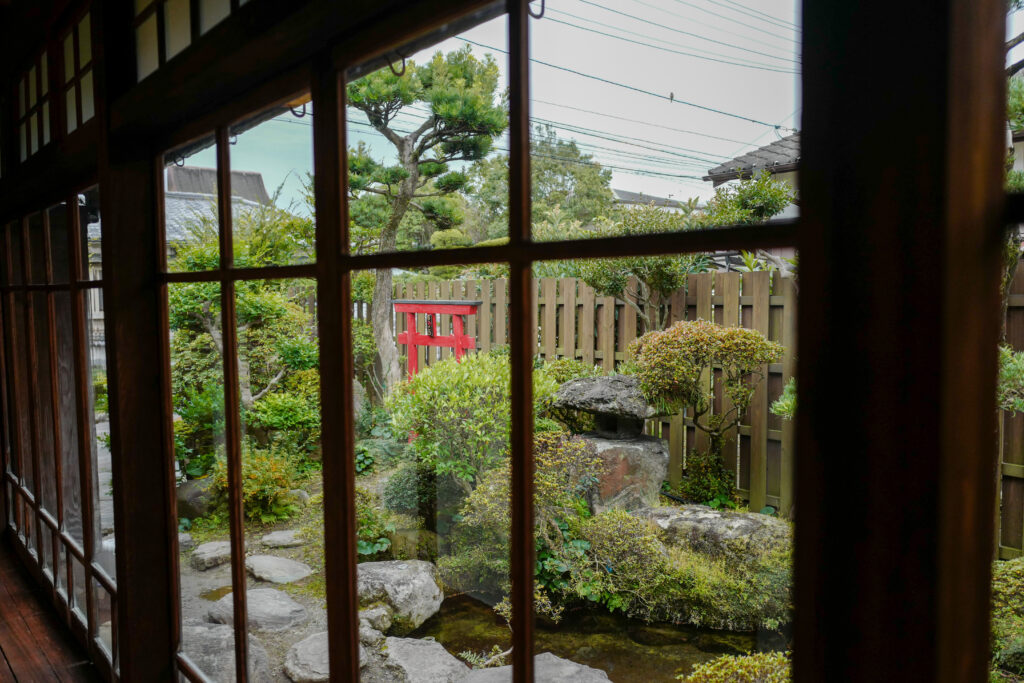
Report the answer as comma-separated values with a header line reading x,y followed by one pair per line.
x,y
901,201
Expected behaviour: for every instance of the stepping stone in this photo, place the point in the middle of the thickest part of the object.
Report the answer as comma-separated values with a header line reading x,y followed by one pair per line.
x,y
211,554
276,569
423,661
185,541
287,538
307,662
212,648
546,667
269,610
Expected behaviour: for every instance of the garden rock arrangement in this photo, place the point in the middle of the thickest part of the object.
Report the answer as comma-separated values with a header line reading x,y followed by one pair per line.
x,y
212,648
547,668
409,588
211,554
635,464
268,610
276,569
287,538
307,660
719,533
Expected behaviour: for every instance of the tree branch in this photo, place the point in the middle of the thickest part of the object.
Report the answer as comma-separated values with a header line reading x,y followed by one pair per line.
x,y
270,385
1014,68
1014,42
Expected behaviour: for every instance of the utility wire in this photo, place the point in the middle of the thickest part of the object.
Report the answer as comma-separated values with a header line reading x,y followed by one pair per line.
x,y
676,52
770,21
632,87
763,13
735,21
680,31
774,46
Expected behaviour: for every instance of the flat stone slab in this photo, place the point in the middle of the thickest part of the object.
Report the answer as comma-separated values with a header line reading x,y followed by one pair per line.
x,y
423,661
307,660
276,569
211,554
547,667
212,648
287,538
409,587
719,532
268,610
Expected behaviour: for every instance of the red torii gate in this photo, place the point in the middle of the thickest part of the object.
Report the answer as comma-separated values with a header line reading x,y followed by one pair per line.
x,y
431,309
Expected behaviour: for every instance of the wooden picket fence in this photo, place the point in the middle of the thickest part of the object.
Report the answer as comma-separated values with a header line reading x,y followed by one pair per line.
x,y
1010,516
573,321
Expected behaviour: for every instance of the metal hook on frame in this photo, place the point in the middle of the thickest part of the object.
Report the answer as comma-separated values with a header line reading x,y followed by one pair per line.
x,y
392,67
179,162
296,114
233,140
539,14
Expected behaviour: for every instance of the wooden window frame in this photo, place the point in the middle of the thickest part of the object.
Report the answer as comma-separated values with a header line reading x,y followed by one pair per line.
x,y
19,399
31,110
81,69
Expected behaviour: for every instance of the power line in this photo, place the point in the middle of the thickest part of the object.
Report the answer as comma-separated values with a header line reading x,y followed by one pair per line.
x,y
766,14
676,52
734,20
630,87
680,31
770,21
774,46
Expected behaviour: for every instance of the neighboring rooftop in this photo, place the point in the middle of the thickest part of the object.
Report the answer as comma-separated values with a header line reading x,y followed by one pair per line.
x,y
199,180
777,157
639,198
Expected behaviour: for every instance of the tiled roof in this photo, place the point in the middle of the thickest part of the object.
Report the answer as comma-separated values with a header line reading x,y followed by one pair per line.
x,y
781,155
627,197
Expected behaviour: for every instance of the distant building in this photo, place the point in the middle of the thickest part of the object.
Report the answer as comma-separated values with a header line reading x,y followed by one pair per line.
x,y
628,198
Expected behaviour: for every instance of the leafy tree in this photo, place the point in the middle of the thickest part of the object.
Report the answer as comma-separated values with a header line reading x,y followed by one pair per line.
x,y
656,277
466,114
563,179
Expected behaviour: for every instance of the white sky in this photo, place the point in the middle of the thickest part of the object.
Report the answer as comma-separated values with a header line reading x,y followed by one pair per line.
x,y
658,161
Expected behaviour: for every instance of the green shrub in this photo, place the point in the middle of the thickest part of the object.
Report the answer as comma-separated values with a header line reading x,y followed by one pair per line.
x,y
785,405
707,480
760,667
449,239
460,414
199,432
267,478
408,488
1008,615
101,403
372,526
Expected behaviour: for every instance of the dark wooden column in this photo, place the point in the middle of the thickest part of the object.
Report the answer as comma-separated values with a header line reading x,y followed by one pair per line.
x,y
901,188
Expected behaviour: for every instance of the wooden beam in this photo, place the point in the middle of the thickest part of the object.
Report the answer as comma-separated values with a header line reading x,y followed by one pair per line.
x,y
900,226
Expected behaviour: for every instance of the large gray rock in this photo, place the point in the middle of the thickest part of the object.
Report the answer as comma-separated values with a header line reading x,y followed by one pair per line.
x,y
547,668
719,533
268,610
378,618
409,587
185,541
287,538
307,661
211,554
276,569
212,648
195,497
634,469
616,401
411,660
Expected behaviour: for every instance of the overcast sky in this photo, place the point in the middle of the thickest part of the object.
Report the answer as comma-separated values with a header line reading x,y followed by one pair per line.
x,y
737,57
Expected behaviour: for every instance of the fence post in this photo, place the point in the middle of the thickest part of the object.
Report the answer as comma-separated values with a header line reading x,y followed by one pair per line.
x,y
549,330
568,330
700,287
789,341
727,285
587,323
607,333
758,289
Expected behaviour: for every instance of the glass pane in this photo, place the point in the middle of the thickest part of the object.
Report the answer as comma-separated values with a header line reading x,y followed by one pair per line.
x,y
78,587
46,551
88,94
23,137
37,249
33,133
43,403
69,56
32,87
59,248
432,467
91,228
634,474
141,5
61,573
70,109
212,12
84,41
279,390
46,123
71,489
190,207
147,57
197,377
428,149
610,133
272,188
104,552
44,76
104,619
19,368
22,97
178,26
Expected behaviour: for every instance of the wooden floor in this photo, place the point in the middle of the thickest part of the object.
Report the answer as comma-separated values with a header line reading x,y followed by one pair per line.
x,y
34,643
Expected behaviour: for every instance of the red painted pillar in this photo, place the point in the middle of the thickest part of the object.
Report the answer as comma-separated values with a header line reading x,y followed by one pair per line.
x,y
457,324
413,360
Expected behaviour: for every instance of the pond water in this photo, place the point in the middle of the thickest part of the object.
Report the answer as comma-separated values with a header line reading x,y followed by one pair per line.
x,y
629,651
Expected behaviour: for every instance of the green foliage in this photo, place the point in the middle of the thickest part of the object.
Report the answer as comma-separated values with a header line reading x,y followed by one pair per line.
x,y
759,667
707,481
200,430
101,402
656,277
752,200
1015,102
785,405
372,526
364,459
1010,388
267,477
670,364
460,413
1014,181
449,239
409,488
285,412
1008,615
